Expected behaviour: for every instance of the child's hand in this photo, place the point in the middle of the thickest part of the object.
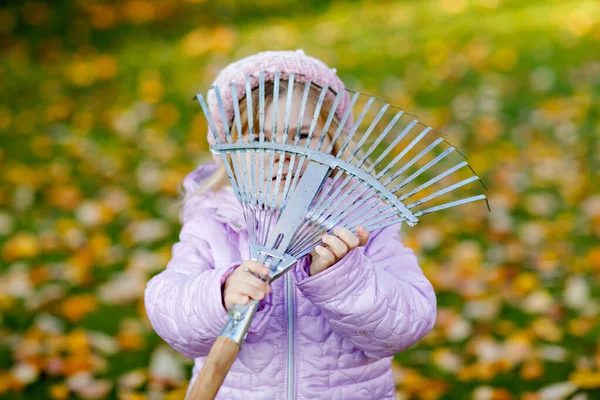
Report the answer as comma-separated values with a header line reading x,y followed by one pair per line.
x,y
337,247
241,285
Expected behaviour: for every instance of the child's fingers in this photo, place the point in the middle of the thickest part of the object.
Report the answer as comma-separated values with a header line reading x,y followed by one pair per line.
x,y
256,282
232,299
256,267
336,245
348,237
363,235
249,290
327,257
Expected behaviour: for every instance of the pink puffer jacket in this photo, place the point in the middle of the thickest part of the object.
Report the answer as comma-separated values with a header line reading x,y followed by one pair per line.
x,y
328,336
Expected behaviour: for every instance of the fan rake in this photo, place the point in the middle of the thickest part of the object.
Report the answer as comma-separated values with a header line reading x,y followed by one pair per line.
x,y
296,184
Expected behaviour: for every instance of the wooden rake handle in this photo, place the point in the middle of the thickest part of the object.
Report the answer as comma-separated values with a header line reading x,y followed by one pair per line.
x,y
223,353
215,369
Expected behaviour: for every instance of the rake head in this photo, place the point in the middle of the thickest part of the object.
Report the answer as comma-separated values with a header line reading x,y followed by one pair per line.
x,y
322,169
301,167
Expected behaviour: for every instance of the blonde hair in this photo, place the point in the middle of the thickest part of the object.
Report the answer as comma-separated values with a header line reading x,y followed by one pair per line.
x,y
219,178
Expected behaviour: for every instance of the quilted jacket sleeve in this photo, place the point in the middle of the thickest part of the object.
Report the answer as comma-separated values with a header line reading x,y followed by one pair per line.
x,y
183,302
377,295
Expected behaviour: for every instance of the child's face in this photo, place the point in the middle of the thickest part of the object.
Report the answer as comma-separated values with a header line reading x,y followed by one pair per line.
x,y
294,121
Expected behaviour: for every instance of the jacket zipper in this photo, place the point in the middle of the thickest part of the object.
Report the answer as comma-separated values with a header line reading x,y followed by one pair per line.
x,y
289,299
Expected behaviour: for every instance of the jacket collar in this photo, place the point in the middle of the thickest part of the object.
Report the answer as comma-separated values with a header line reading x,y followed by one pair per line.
x,y
223,204
228,209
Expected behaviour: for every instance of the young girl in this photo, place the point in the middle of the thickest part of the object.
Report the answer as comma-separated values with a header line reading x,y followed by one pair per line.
x,y
329,328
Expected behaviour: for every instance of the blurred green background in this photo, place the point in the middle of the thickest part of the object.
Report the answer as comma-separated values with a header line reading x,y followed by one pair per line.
x,y
98,130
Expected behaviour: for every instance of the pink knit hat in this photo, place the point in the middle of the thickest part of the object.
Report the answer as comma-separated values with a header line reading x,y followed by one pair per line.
x,y
305,67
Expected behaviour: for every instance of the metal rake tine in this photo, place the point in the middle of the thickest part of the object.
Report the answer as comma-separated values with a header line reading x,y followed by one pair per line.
x,y
249,108
413,161
296,174
213,128
318,227
268,211
309,237
326,197
314,214
405,150
286,126
338,173
311,131
379,139
307,231
313,123
261,106
236,111
282,154
238,124
321,220
380,215
250,121
371,227
261,139
368,133
355,127
208,117
349,195
228,138
301,113
356,203
288,106
324,202
307,145
386,223
275,106
325,193
364,213
342,124
223,155
383,100
397,140
223,115
371,215
381,136
275,109
325,129
432,181
323,205
452,204
291,174
327,201
423,169
375,227
270,184
252,178
480,181
244,174
443,191
374,217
